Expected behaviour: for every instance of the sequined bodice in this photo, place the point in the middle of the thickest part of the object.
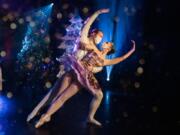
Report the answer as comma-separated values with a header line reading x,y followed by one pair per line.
x,y
92,59
89,58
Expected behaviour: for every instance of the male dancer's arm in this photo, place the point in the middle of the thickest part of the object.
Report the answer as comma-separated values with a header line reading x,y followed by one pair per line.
x,y
88,23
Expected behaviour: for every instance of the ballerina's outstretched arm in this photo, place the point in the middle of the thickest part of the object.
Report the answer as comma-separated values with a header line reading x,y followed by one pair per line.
x,y
119,59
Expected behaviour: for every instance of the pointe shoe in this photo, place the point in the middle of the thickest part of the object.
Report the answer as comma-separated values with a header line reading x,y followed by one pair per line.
x,y
32,115
94,122
44,118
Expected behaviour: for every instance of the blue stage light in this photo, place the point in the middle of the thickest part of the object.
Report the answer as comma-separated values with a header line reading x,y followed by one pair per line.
x,y
108,77
40,17
117,24
107,97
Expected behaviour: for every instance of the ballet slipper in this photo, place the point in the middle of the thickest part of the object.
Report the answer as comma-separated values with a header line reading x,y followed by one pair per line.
x,y
94,122
44,118
32,115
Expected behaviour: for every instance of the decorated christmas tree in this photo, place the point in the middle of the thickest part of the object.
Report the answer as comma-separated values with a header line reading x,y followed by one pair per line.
x,y
34,60
70,41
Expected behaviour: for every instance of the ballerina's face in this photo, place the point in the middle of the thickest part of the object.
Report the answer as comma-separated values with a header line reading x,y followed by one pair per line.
x,y
107,46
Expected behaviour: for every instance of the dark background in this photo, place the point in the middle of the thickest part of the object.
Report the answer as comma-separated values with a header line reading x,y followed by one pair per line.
x,y
158,46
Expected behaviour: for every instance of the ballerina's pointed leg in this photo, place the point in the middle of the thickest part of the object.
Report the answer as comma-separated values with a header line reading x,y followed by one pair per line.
x,y
60,85
38,107
44,118
57,104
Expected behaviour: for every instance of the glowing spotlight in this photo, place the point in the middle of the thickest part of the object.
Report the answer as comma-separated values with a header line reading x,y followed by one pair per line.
x,y
9,94
51,4
140,70
108,69
21,21
108,79
13,26
85,10
59,15
107,97
137,85
2,53
48,85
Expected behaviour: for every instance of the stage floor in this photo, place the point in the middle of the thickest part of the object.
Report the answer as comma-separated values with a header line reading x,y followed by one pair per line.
x,y
120,113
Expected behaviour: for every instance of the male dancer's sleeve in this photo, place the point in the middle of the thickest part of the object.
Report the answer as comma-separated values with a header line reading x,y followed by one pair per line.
x,y
88,23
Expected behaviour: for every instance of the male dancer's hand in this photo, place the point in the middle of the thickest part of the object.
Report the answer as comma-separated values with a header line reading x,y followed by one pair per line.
x,y
105,10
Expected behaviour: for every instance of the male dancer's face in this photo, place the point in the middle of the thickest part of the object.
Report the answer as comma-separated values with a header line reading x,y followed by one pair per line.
x,y
98,37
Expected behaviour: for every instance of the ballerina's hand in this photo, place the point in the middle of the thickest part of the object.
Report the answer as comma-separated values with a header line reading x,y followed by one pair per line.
x,y
105,10
134,45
